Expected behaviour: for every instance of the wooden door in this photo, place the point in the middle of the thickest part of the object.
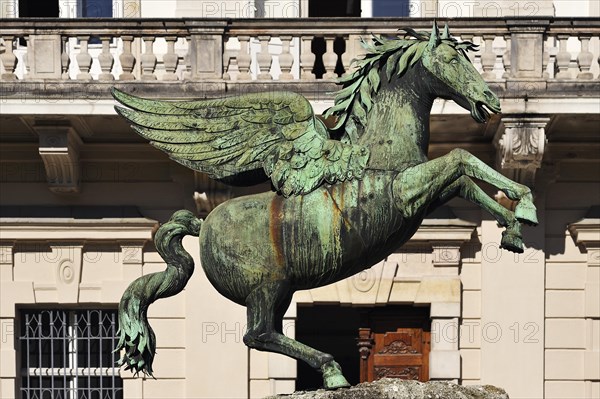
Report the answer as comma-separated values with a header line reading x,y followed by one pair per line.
x,y
394,352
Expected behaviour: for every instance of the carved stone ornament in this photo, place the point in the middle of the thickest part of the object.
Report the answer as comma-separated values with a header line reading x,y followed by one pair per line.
x,y
520,144
59,149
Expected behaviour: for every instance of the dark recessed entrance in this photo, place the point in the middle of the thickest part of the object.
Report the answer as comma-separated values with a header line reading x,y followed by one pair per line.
x,y
397,338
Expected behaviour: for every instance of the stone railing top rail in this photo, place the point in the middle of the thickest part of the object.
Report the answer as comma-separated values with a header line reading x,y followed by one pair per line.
x,y
21,26
295,22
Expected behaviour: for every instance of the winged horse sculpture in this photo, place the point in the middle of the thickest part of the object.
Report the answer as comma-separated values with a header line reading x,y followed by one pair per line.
x,y
337,206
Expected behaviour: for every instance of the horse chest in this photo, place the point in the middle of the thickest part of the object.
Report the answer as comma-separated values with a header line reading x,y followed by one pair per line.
x,y
336,230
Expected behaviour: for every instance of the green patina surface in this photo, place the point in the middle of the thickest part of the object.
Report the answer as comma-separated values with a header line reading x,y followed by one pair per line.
x,y
337,206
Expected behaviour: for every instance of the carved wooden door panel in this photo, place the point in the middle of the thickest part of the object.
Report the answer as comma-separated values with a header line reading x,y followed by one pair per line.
x,y
393,352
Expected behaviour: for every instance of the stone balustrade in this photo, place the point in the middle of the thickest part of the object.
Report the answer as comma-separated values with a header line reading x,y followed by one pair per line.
x,y
515,54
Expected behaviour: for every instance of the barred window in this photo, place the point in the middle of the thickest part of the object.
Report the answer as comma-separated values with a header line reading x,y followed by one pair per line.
x,y
68,354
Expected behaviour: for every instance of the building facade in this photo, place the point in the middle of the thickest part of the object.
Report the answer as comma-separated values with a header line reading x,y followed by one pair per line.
x,y
81,196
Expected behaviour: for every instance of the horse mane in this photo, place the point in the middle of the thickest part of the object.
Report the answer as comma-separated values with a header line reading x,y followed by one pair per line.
x,y
394,56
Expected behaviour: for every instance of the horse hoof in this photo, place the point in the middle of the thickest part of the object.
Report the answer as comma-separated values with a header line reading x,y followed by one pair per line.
x,y
512,242
332,376
525,212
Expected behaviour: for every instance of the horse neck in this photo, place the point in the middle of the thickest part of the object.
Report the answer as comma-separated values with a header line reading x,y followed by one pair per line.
x,y
397,129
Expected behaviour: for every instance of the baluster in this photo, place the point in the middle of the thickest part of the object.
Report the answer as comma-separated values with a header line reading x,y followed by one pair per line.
x,y
9,59
187,65
148,59
170,59
307,59
488,58
346,56
244,59
26,61
584,59
563,58
506,58
545,60
126,59
106,59
286,59
329,59
84,59
226,59
264,59
65,60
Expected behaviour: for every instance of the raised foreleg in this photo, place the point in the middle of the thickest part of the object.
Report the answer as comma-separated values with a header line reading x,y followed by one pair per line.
x,y
465,188
435,175
427,185
264,332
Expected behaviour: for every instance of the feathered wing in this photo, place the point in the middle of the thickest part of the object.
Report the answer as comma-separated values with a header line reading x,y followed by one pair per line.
x,y
276,132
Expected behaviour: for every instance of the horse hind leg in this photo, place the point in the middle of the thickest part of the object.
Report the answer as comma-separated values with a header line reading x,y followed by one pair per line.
x,y
265,308
465,188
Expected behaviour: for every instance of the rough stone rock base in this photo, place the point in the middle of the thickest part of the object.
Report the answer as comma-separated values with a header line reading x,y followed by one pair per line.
x,y
389,388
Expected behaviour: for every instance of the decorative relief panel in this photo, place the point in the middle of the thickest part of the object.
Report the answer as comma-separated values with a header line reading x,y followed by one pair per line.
x,y
405,373
396,348
446,254
67,260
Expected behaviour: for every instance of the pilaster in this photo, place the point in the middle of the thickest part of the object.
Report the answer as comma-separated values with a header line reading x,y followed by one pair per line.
x,y
444,357
586,234
512,326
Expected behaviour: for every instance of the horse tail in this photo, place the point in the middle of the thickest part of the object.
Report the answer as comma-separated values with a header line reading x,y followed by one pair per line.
x,y
135,334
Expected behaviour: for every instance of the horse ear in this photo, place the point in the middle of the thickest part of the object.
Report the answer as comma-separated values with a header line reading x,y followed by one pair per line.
x,y
446,32
434,39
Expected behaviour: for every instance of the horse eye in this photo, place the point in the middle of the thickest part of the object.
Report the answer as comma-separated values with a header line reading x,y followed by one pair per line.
x,y
454,61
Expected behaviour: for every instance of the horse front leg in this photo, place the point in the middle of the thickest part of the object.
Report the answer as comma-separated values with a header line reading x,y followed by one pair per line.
x,y
442,171
429,184
472,166
465,188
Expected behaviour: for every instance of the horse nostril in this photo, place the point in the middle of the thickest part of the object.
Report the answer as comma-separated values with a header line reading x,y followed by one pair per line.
x,y
491,98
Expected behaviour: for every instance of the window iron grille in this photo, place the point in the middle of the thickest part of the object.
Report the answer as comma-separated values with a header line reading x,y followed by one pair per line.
x,y
68,354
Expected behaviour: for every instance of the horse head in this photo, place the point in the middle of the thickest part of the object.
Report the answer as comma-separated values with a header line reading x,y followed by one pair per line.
x,y
455,77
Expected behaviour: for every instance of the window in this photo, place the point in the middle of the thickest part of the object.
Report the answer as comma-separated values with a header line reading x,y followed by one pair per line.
x,y
68,354
334,8
67,9
94,8
38,9
391,8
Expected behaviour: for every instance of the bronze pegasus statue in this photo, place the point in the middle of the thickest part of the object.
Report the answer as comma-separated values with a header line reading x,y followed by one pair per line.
x,y
337,207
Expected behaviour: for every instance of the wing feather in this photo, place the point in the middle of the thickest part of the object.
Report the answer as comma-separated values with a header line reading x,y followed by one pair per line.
x,y
172,136
276,132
